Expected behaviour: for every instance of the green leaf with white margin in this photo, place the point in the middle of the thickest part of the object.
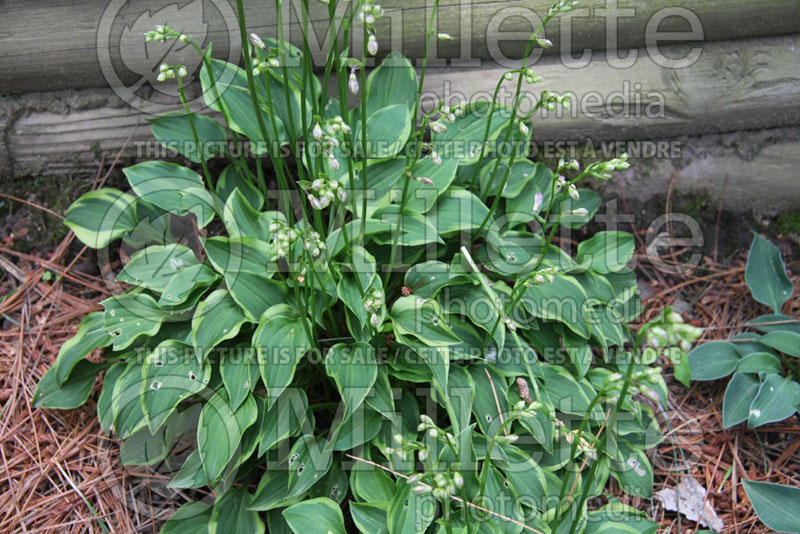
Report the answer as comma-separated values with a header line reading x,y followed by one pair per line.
x,y
239,373
387,132
233,255
464,136
144,447
757,362
381,398
420,197
243,220
255,293
776,505
230,514
315,516
174,131
777,399
219,431
521,173
765,274
234,95
408,512
607,252
519,208
524,474
484,405
126,401
503,501
72,393
281,341
561,300
155,266
361,427
739,395
458,210
785,342
129,316
105,414
370,518
173,188
216,319
185,282
370,483
231,179
776,321
634,473
191,474
191,518
394,81
588,200
283,419
354,369
566,393
309,460
171,373
417,229
423,319
91,335
101,216
713,360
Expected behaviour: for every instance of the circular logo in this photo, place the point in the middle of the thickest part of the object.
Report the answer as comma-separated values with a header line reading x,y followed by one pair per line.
x,y
130,65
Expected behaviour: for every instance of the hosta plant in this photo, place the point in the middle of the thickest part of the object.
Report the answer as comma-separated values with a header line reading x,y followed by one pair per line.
x,y
370,324
764,361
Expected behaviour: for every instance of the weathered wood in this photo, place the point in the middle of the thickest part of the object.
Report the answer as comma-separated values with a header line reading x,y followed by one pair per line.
x,y
46,45
734,85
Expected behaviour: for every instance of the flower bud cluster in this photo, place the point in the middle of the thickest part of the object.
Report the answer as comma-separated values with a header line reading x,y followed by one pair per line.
x,y
671,331
373,304
162,33
406,449
562,6
166,71
282,237
369,14
548,274
602,169
313,243
323,190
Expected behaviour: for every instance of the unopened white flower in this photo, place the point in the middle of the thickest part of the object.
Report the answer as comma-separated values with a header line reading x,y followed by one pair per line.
x,y
373,320
438,127
256,41
436,158
580,212
544,43
334,163
425,180
523,128
353,83
318,133
372,45
444,36
538,198
182,71
573,192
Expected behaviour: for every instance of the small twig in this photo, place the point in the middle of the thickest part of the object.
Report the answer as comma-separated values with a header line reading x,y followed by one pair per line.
x,y
719,217
455,498
32,204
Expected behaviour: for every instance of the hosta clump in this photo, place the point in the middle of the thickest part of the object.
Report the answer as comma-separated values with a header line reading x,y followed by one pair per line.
x,y
389,331
764,362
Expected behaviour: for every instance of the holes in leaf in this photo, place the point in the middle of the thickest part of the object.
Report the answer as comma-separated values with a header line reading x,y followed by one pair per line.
x,y
155,386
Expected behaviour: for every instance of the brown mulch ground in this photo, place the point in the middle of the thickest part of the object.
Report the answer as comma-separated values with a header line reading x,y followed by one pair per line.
x,y
60,473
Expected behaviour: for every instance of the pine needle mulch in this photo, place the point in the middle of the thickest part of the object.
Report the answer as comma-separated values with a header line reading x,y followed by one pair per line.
x,y
60,473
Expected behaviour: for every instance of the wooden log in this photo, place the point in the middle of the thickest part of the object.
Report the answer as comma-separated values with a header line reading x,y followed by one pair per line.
x,y
50,45
734,85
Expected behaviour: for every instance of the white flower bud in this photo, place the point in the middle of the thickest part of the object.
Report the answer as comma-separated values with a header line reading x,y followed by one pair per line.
x,y
372,45
523,128
444,36
318,133
436,158
182,72
573,192
425,180
256,41
334,163
438,127
580,212
544,43
373,320
353,84
538,198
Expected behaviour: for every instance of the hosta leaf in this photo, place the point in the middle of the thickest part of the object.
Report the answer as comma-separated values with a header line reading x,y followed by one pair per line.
x,y
777,399
191,518
220,430
369,518
519,208
281,341
191,473
171,373
272,490
776,321
634,472
239,373
387,132
126,401
358,429
255,293
144,447
283,419
315,516
241,254
777,506
156,266
334,485
91,335
129,316
566,393
739,395
241,219
607,252
485,406
408,512
416,228
101,216
766,274
522,171
105,414
458,210
381,397
464,137
422,318
354,369
561,300
174,131
72,393
231,179
420,197
371,484
785,342
173,188
309,460
588,200
185,281
756,362
230,514
394,81
216,319
713,360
